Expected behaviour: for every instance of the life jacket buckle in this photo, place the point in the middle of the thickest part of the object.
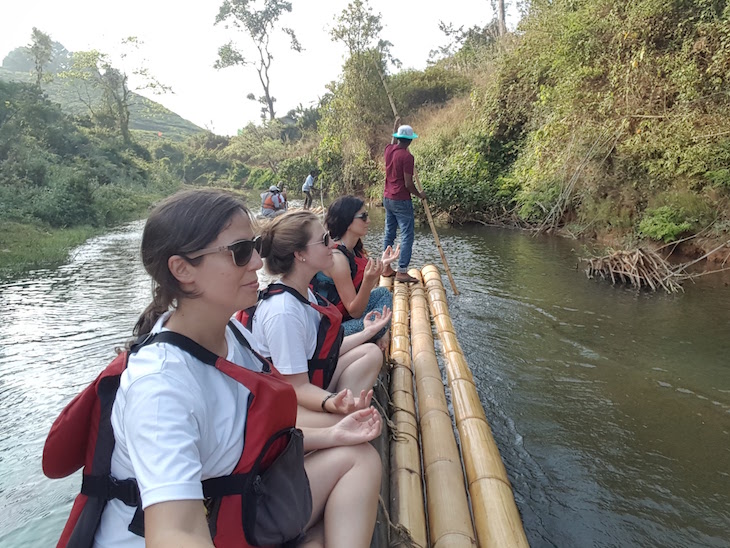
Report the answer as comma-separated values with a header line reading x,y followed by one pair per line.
x,y
124,490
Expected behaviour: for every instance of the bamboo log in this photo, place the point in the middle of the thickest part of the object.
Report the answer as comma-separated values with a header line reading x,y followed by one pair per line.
x,y
406,490
496,518
449,518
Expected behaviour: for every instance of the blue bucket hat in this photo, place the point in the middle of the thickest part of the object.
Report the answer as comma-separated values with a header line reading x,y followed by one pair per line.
x,y
405,132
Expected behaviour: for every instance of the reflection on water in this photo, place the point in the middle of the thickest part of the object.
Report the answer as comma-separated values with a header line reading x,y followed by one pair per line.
x,y
611,407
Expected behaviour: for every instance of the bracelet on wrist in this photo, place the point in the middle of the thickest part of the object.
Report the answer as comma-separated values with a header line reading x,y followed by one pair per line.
x,y
324,401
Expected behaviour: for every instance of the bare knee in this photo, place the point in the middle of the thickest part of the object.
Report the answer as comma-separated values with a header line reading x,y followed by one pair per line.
x,y
363,456
370,461
373,354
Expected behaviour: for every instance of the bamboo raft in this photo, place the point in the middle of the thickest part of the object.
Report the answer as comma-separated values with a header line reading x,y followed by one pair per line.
x,y
428,498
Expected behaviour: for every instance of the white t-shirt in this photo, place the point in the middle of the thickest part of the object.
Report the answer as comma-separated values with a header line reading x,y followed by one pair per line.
x,y
285,329
177,421
308,184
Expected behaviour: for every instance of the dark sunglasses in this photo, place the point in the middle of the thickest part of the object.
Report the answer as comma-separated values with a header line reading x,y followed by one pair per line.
x,y
325,241
241,251
364,216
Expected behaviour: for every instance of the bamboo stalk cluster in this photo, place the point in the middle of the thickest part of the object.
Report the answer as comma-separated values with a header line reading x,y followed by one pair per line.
x,y
638,267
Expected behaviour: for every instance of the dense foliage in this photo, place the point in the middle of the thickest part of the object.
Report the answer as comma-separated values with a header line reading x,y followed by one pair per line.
x,y
58,172
600,115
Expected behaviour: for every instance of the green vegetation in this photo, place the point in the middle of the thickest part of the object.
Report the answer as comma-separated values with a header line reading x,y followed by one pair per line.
x,y
595,115
24,247
605,115
84,97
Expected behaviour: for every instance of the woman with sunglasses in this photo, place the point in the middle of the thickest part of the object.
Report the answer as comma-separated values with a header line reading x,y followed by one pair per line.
x,y
301,332
196,402
350,283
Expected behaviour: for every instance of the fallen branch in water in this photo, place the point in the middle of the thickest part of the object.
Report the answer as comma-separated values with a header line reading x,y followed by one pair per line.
x,y
646,268
638,267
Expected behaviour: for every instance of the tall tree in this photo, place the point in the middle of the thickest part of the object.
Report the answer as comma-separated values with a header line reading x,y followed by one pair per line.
x,y
257,18
501,17
362,87
357,27
98,78
41,49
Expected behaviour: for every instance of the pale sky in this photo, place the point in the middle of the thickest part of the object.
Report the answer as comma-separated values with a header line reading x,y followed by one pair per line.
x,y
181,44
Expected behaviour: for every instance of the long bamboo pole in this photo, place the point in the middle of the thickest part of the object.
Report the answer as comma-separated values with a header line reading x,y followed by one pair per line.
x,y
496,518
406,491
449,518
419,186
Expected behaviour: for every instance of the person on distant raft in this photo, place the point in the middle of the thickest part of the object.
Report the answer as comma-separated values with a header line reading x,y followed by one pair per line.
x,y
399,169
351,282
273,202
308,186
285,200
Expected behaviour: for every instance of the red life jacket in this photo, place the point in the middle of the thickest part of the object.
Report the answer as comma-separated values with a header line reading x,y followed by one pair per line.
x,y
323,363
82,435
268,202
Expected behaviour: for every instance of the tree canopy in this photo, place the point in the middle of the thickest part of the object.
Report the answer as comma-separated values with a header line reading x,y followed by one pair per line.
x,y
257,19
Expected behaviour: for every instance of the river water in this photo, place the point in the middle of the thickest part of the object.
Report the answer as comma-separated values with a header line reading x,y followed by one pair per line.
x,y
611,407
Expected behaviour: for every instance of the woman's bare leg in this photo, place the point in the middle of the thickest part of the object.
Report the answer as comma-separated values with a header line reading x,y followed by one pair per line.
x,y
315,419
314,537
345,483
357,369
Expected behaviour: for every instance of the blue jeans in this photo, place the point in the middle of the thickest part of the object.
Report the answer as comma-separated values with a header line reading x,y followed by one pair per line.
x,y
399,214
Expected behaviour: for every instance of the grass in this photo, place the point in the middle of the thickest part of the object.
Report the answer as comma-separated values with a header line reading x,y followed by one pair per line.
x,y
25,247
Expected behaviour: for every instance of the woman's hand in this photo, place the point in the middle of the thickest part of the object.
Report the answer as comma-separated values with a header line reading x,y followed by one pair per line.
x,y
375,321
358,427
373,270
345,403
390,255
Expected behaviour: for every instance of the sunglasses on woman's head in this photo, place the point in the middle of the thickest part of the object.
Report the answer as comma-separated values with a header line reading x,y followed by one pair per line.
x,y
325,241
364,216
241,250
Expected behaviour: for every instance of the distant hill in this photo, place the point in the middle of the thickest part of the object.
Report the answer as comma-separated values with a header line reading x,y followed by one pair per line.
x,y
146,116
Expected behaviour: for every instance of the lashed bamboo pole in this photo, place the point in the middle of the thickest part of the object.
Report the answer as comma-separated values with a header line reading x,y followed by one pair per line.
x,y
496,518
449,519
406,491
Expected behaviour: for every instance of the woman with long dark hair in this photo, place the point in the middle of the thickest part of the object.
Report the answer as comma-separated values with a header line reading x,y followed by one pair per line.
x,y
351,281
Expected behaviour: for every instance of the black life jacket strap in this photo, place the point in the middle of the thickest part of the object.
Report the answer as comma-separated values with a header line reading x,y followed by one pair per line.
x,y
350,255
235,483
109,487
181,341
243,341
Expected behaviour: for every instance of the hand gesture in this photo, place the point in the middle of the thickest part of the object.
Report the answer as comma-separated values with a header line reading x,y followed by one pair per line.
x,y
373,270
345,403
390,255
358,427
375,320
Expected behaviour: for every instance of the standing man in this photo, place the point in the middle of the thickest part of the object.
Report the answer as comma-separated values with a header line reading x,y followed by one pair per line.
x,y
399,169
308,186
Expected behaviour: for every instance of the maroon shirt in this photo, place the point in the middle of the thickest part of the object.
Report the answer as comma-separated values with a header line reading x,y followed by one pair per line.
x,y
397,162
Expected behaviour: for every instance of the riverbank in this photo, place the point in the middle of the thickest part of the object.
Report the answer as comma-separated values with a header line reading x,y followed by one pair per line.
x,y
25,247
